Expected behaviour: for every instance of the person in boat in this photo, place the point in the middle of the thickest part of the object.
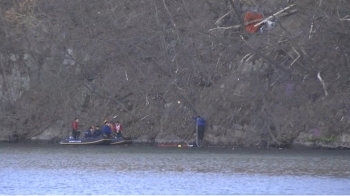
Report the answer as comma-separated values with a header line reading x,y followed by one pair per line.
x,y
89,133
75,129
200,127
97,132
113,129
118,129
113,125
106,129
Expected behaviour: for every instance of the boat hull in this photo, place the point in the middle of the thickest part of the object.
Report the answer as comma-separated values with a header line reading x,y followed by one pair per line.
x,y
88,141
121,141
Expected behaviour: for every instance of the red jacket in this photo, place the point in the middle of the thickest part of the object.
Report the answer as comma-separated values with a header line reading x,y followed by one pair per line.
x,y
75,126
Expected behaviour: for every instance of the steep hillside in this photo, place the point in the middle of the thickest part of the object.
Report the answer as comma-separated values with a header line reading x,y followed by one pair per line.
x,y
156,63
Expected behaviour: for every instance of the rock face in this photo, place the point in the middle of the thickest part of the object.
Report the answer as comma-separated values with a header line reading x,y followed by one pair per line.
x,y
155,65
344,141
304,139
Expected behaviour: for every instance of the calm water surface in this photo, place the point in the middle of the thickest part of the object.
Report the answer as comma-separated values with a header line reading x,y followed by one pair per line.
x,y
55,169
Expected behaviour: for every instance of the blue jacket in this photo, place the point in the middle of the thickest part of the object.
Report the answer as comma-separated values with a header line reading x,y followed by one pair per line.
x,y
106,129
199,121
97,133
88,133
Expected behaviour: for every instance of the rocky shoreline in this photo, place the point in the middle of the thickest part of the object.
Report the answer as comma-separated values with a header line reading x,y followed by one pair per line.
x,y
152,142
236,138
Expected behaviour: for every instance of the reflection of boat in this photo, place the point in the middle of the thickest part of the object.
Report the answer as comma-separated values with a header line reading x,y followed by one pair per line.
x,y
121,141
101,140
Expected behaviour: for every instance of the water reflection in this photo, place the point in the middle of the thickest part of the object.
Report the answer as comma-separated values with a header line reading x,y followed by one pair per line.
x,y
54,169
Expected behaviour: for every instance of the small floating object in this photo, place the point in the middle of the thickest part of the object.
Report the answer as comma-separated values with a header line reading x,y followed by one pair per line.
x,y
175,145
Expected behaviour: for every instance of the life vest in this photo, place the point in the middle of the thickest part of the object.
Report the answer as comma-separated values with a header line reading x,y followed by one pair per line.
x,y
111,126
250,19
118,127
75,125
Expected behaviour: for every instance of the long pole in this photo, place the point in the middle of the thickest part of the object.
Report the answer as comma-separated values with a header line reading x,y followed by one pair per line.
x,y
197,137
274,15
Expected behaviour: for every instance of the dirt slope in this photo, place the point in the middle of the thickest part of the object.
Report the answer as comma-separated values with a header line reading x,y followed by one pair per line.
x,y
157,63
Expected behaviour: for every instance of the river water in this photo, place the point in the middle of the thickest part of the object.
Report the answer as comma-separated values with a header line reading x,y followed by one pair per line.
x,y
56,169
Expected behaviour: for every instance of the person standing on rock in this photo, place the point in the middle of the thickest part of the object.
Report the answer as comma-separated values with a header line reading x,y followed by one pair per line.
x,y
75,129
200,129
